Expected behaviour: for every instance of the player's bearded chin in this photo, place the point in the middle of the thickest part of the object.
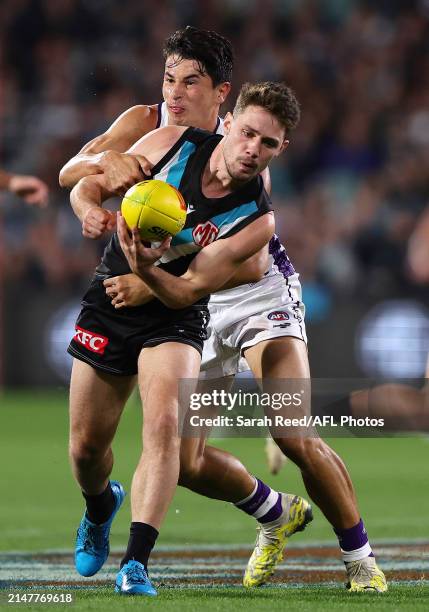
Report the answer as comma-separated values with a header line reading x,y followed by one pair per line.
x,y
236,175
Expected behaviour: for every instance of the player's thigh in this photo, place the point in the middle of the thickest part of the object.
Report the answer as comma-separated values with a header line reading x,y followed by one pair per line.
x,y
162,369
283,357
97,400
281,366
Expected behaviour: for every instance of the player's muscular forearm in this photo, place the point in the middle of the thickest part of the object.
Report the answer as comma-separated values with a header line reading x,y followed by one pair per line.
x,y
250,271
86,199
88,195
105,154
209,271
129,290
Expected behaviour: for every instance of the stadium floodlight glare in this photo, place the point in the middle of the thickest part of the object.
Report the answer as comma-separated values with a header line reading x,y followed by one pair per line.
x,y
392,340
59,329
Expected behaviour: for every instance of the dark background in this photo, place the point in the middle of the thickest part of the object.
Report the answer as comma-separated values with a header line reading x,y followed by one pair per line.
x,y
347,193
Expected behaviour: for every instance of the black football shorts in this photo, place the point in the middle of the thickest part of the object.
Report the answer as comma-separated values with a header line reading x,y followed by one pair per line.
x,y
111,340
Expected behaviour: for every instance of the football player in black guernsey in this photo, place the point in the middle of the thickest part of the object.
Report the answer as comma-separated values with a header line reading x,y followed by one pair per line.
x,y
161,341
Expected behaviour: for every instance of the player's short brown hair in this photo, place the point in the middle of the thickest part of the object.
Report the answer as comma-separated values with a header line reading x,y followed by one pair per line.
x,y
277,98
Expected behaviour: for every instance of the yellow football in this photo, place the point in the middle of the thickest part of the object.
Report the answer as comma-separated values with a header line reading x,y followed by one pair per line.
x,y
156,208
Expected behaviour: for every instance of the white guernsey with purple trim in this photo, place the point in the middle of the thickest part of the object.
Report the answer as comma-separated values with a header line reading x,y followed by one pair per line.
x,y
246,315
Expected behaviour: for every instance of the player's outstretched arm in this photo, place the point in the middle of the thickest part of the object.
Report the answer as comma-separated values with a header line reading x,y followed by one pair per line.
x,y
106,155
209,271
30,188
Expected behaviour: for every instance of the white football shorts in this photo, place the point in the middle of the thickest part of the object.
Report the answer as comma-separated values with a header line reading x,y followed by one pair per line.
x,y
244,316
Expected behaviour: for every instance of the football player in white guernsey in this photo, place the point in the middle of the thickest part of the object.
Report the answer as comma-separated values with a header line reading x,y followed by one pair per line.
x,y
193,91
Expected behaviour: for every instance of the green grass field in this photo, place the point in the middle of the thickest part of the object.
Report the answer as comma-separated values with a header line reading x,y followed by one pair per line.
x,y
398,599
41,507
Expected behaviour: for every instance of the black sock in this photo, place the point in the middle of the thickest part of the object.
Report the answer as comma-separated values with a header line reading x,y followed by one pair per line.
x,y
99,508
142,540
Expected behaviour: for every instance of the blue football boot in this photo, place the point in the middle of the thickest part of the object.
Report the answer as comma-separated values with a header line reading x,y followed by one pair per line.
x,y
92,541
133,580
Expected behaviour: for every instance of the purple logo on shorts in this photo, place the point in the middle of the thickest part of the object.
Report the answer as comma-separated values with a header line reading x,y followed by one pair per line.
x,y
278,315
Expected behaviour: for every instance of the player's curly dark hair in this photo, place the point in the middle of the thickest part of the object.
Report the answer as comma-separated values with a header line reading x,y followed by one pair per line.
x,y
211,50
276,98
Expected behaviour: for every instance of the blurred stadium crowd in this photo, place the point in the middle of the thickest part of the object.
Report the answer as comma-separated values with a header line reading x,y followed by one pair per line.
x,y
347,193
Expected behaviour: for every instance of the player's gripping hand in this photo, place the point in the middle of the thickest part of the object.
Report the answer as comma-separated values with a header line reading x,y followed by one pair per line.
x,y
139,257
30,188
97,222
122,170
127,290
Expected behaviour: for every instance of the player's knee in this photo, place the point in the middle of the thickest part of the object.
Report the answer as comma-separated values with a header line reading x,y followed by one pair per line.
x,y
190,464
161,432
188,474
86,452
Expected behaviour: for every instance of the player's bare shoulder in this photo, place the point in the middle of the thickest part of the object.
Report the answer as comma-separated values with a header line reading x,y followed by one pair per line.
x,y
142,118
156,144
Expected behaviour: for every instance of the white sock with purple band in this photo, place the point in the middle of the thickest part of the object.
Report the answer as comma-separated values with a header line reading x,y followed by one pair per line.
x,y
264,504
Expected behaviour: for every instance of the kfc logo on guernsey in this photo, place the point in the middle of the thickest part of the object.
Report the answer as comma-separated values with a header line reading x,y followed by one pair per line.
x,y
278,315
93,342
205,233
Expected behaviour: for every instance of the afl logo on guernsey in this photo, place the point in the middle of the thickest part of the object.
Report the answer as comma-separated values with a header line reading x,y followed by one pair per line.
x,y
278,315
205,233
